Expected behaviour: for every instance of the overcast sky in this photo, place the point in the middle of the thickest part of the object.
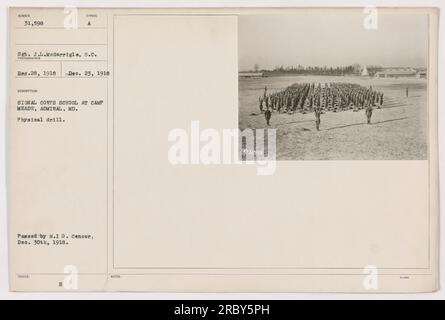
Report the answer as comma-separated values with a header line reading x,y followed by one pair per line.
x,y
332,38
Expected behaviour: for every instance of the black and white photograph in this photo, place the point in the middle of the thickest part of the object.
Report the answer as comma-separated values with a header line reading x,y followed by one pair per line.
x,y
336,84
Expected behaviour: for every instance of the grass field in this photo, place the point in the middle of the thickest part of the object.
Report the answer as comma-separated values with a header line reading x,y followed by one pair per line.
x,y
398,130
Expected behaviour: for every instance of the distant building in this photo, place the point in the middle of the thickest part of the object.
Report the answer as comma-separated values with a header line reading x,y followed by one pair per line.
x,y
365,72
251,74
422,73
396,73
356,69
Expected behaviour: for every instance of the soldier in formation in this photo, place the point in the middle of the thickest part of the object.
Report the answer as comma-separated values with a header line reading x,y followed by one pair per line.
x,y
308,97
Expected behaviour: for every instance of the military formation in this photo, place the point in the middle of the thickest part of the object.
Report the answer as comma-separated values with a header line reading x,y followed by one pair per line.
x,y
309,97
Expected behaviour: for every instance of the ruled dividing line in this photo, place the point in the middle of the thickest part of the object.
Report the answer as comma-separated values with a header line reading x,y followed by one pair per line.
x,y
40,60
59,77
61,44
60,28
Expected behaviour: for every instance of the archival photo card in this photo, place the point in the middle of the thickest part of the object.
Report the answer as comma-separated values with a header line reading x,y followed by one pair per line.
x,y
223,149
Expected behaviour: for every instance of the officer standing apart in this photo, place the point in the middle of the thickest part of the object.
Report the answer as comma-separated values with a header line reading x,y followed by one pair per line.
x,y
369,113
317,111
268,115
